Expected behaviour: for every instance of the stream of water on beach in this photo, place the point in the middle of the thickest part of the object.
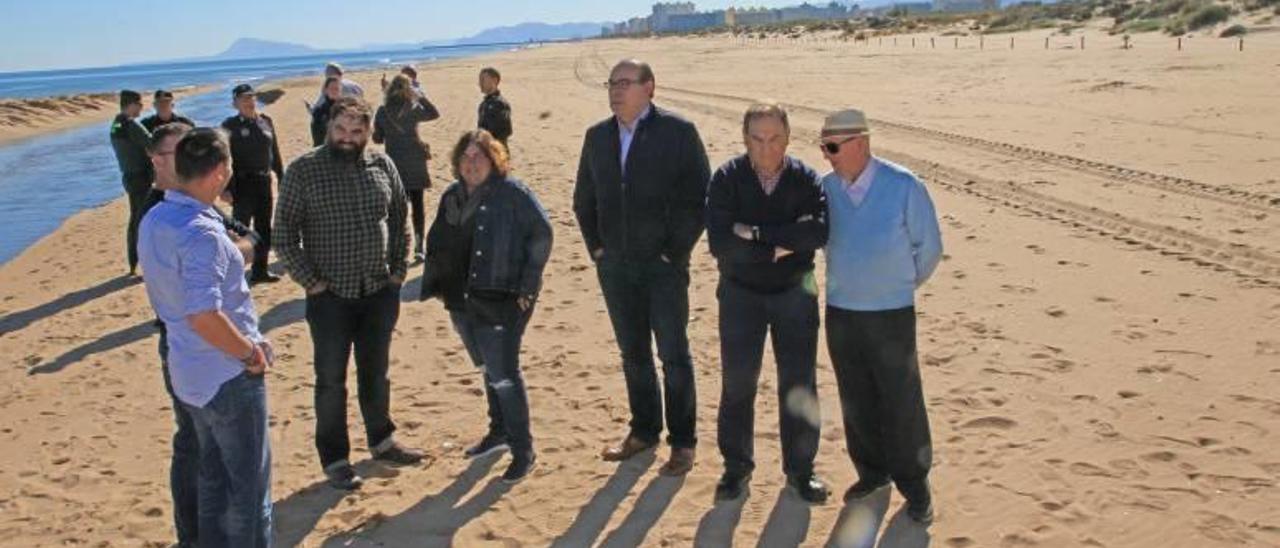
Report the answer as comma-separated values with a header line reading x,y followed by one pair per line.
x,y
50,177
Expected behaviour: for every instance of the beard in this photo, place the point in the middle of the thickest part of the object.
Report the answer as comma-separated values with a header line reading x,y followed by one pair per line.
x,y
347,150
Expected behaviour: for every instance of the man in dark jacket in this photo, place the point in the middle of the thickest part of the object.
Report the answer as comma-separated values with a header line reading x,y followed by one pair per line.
x,y
495,111
255,156
162,101
129,140
642,180
766,216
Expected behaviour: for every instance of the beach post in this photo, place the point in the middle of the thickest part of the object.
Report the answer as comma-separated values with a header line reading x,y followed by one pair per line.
x,y
913,42
931,44
1046,42
982,42
957,42
895,41
1241,43
1081,42
1010,42
1179,43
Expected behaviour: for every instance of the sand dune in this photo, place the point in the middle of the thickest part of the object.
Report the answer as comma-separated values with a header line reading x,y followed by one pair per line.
x,y
1100,345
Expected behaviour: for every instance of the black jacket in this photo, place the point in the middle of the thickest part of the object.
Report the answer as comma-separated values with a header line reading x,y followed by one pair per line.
x,y
152,122
793,217
398,130
255,150
657,207
495,116
129,141
509,248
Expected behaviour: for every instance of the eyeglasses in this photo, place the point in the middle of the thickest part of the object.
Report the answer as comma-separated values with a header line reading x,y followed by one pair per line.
x,y
621,83
833,148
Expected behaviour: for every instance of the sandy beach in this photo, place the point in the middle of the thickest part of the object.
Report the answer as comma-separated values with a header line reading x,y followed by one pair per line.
x,y
1100,346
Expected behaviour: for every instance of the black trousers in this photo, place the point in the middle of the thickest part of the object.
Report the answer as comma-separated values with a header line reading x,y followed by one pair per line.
x,y
337,325
885,422
139,203
648,301
790,319
419,215
253,204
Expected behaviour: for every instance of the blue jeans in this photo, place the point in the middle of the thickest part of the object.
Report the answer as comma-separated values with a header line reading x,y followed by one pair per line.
x,y
235,465
496,350
184,467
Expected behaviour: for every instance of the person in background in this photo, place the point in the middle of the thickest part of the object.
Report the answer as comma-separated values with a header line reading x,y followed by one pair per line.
x,y
129,141
255,158
349,88
162,101
488,246
884,243
216,355
495,111
343,237
330,92
396,126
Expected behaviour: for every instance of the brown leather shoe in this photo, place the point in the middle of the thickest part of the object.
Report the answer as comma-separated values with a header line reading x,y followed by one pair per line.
x,y
680,463
630,447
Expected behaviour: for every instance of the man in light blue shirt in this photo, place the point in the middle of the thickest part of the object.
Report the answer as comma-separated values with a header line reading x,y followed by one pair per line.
x,y
884,242
217,356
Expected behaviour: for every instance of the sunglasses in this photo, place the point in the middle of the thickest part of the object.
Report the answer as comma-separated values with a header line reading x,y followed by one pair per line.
x,y
833,147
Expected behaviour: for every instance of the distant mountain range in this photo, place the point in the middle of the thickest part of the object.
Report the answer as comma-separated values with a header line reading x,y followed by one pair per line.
x,y
247,48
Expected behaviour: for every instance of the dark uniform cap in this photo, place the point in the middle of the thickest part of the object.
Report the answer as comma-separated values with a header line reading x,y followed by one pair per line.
x,y
242,89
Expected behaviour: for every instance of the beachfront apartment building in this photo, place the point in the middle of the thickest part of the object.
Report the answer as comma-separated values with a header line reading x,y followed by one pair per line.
x,y
685,17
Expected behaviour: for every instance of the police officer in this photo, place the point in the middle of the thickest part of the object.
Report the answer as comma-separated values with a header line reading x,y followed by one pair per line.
x,y
163,103
129,140
255,155
495,112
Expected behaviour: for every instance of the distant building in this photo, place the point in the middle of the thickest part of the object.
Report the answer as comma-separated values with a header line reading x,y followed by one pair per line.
x,y
808,12
687,22
751,17
660,19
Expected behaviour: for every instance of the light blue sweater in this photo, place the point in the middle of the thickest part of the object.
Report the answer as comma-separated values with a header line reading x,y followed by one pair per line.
x,y
881,250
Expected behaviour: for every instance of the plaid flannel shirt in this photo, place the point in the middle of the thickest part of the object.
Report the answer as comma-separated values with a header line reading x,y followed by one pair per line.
x,y
343,222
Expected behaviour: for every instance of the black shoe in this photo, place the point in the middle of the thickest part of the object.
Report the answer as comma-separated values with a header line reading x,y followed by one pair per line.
x,y
863,489
921,511
263,277
343,477
396,454
732,485
810,488
519,469
491,443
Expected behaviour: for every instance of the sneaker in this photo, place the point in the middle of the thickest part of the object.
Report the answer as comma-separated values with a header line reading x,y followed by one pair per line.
x,y
732,485
519,469
397,454
263,278
863,489
488,445
343,477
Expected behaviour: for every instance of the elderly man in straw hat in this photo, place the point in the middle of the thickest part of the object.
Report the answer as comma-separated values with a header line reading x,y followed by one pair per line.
x,y
884,242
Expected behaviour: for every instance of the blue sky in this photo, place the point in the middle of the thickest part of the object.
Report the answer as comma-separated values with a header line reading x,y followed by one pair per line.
x,y
54,34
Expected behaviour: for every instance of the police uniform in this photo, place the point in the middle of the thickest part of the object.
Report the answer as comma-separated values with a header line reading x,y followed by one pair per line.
x,y
152,122
255,155
495,116
129,142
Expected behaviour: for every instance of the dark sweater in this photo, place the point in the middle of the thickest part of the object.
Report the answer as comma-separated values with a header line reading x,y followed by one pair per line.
x,y
793,217
656,208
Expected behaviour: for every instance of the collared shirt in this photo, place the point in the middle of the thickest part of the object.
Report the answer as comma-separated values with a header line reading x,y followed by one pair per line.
x,y
627,134
192,266
342,222
255,149
857,190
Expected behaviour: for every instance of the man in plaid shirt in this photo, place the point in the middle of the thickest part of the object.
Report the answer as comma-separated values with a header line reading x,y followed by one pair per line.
x,y
342,234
